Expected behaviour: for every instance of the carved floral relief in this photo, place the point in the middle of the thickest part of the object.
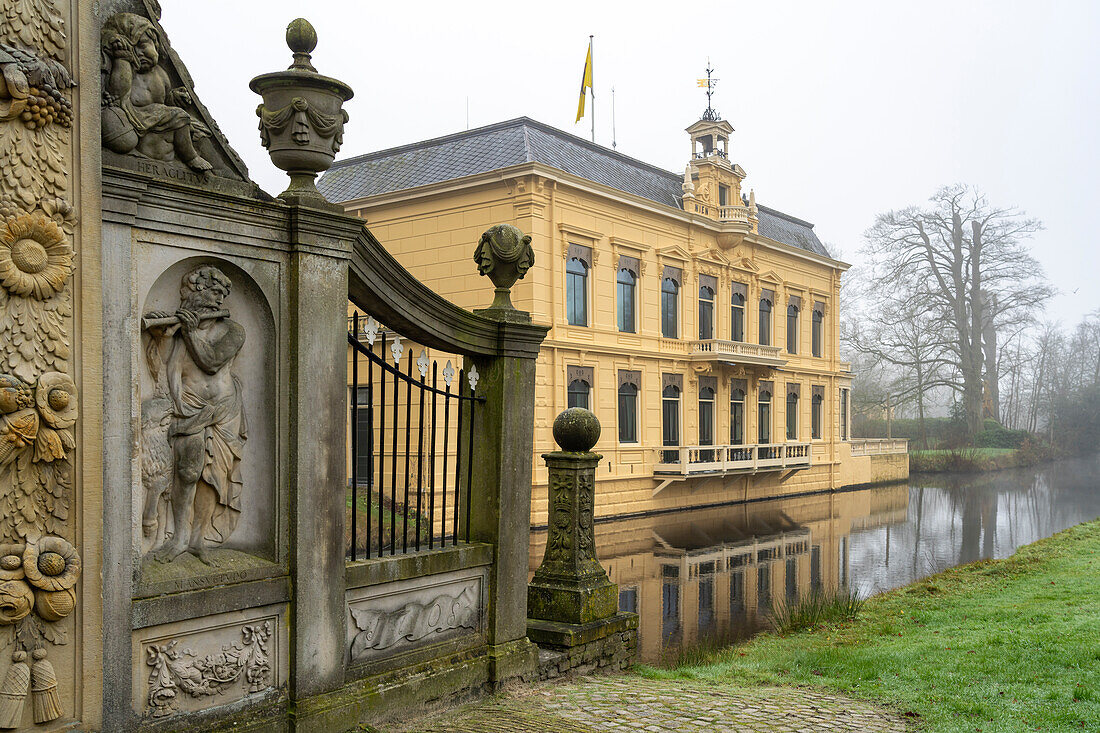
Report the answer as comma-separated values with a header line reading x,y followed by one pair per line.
x,y
39,568
178,670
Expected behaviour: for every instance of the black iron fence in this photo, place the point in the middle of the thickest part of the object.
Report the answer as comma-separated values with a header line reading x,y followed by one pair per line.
x,y
408,455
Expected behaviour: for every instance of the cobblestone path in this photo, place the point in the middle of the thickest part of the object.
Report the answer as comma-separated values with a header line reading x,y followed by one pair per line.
x,y
629,704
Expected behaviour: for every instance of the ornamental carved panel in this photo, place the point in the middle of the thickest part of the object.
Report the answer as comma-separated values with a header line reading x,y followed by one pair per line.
x,y
39,566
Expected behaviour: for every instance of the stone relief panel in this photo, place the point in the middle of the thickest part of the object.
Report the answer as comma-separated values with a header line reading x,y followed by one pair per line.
x,y
39,566
207,417
216,661
151,119
398,617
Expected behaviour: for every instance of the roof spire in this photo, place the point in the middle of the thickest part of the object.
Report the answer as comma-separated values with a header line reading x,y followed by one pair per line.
x,y
710,83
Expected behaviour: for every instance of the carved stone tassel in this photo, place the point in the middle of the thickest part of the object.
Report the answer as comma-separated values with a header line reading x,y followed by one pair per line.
x,y
13,691
44,697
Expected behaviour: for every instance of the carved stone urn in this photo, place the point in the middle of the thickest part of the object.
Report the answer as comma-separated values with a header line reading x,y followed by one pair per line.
x,y
302,116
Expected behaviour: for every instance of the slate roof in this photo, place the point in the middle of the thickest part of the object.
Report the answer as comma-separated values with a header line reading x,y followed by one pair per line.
x,y
524,140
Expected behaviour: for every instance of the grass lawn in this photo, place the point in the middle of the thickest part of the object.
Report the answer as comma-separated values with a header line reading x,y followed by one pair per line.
x,y
980,452
1001,645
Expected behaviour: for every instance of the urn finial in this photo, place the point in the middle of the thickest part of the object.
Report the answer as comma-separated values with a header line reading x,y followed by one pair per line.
x,y
504,253
302,117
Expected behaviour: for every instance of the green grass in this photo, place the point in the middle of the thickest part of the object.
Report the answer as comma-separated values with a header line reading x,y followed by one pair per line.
x,y
981,452
815,609
1003,645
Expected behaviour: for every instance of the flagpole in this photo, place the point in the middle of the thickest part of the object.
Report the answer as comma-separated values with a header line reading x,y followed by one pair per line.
x,y
592,89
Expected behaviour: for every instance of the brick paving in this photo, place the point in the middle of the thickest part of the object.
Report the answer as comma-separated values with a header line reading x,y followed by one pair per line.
x,y
630,704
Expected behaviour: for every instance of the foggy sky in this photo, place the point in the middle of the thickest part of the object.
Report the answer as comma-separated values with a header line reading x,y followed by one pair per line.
x,y
841,110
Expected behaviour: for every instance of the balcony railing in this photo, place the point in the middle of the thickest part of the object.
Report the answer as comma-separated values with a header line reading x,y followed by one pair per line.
x,y
879,446
691,460
736,352
734,214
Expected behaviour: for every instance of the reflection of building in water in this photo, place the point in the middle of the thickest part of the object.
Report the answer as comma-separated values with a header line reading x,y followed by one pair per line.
x,y
717,572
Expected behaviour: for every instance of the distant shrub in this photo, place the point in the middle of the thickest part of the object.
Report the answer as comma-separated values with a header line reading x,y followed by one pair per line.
x,y
995,435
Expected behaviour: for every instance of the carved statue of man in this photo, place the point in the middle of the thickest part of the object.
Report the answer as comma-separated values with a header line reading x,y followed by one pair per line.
x,y
199,344
142,112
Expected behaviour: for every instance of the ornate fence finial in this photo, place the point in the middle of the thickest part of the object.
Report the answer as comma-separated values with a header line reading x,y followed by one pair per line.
x,y
504,253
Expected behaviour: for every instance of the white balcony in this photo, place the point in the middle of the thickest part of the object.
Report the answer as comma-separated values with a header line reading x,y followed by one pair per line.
x,y
736,352
718,460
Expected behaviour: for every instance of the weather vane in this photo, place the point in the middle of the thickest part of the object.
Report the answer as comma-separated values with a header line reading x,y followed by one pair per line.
x,y
709,83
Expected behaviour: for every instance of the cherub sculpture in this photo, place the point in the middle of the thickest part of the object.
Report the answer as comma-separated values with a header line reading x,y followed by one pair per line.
x,y
142,113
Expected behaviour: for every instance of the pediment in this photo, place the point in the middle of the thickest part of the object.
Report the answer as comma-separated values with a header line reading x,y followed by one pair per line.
x,y
715,256
143,135
772,276
675,252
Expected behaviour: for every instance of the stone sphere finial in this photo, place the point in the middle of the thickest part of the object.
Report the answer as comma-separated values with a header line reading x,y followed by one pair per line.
x,y
576,430
301,37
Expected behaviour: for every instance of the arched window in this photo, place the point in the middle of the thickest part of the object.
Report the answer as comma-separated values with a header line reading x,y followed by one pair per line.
x,y
624,293
670,421
577,393
792,329
792,416
706,313
628,413
765,322
815,416
816,333
576,292
737,417
669,292
706,421
737,317
764,417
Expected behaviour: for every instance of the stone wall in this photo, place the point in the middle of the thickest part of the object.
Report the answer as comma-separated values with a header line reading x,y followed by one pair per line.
x,y
608,655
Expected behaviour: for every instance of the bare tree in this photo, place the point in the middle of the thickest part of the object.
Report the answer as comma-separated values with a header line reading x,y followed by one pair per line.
x,y
963,262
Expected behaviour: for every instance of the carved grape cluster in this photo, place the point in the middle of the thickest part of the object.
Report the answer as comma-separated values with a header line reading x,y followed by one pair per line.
x,y
46,105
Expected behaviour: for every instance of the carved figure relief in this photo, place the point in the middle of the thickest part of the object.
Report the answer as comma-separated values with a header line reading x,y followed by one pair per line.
x,y
39,568
177,670
194,427
413,621
143,114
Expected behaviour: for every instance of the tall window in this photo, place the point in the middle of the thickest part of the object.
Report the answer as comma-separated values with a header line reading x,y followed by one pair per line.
x,y
576,292
577,393
843,414
706,313
628,413
764,417
723,195
792,329
792,416
815,416
670,420
737,416
765,322
624,294
737,317
706,421
815,334
362,446
668,308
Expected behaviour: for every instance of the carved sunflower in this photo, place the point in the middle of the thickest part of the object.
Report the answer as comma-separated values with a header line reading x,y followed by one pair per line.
x,y
35,257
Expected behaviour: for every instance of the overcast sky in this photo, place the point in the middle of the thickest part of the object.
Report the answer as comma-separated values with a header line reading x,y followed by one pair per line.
x,y
841,110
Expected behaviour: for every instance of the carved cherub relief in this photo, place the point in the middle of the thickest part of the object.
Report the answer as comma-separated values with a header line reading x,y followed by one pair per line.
x,y
194,427
142,113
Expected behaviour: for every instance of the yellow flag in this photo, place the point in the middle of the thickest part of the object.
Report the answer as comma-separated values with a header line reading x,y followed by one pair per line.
x,y
586,81
703,82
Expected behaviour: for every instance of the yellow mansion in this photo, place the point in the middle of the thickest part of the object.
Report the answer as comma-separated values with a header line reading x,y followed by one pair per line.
x,y
700,326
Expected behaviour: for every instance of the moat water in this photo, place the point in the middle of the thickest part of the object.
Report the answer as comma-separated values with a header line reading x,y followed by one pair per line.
x,y
706,576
